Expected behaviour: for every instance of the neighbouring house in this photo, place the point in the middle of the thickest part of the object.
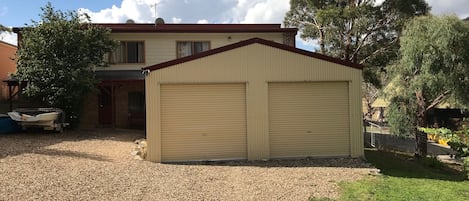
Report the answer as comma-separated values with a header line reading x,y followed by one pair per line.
x,y
254,99
448,114
7,66
445,114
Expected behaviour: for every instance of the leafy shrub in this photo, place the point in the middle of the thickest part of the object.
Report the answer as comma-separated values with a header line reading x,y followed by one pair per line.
x,y
458,140
401,117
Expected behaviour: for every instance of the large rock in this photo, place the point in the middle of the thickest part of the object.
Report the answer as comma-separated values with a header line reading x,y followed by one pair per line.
x,y
140,150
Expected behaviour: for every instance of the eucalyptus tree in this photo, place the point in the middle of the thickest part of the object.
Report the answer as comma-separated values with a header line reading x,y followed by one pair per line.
x,y
433,66
355,30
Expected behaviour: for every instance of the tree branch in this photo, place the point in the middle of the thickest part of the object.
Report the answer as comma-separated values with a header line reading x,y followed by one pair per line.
x,y
360,45
378,51
438,100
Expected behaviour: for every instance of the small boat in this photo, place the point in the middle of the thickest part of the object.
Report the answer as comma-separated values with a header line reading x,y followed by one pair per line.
x,y
47,118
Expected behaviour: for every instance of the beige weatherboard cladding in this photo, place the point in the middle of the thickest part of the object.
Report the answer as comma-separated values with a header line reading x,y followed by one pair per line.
x,y
161,47
263,70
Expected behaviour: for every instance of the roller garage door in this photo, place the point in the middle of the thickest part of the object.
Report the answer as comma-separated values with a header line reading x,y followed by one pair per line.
x,y
309,119
203,122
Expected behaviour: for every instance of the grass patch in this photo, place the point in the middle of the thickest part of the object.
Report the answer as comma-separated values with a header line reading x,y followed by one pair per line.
x,y
405,165
406,178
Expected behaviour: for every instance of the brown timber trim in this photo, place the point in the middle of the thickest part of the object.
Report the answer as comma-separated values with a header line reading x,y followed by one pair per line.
x,y
190,28
197,28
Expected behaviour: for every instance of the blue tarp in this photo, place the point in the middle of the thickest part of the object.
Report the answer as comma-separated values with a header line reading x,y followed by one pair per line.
x,y
7,125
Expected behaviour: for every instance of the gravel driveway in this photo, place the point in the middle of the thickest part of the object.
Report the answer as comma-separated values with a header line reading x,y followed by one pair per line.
x,y
97,165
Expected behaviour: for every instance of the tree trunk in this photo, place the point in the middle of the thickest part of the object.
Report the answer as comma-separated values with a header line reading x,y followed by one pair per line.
x,y
420,136
321,41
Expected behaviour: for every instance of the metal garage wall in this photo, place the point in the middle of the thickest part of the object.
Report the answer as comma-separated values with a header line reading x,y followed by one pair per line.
x,y
203,122
309,119
256,65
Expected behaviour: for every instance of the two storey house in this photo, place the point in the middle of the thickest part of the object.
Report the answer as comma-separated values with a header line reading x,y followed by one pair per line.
x,y
120,102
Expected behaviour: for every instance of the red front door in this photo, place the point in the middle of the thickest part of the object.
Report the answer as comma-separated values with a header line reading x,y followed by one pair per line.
x,y
105,105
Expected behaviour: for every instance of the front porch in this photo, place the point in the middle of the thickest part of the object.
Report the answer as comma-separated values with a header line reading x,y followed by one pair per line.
x,y
119,102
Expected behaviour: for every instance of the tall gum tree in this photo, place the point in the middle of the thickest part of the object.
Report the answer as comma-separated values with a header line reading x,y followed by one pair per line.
x,y
356,30
433,65
57,57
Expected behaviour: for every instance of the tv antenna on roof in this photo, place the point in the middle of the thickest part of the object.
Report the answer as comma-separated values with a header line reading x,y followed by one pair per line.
x,y
154,6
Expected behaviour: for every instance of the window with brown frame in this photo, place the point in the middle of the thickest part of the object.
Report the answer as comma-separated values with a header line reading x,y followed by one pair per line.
x,y
187,48
128,52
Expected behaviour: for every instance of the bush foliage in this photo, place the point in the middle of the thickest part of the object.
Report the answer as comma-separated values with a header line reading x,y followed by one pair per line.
x,y
57,57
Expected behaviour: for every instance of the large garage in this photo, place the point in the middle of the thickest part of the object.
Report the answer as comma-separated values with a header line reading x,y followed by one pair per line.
x,y
253,100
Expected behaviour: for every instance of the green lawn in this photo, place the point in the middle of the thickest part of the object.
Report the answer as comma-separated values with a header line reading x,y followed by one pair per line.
x,y
404,178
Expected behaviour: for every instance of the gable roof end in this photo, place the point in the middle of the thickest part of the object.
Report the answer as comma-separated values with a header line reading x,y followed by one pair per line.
x,y
249,42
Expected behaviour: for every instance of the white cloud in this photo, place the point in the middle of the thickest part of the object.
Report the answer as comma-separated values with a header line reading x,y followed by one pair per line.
x,y
176,20
440,7
269,11
457,7
141,11
9,38
259,11
192,11
202,21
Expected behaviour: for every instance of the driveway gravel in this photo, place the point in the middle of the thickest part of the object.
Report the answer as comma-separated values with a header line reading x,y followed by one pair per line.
x,y
97,165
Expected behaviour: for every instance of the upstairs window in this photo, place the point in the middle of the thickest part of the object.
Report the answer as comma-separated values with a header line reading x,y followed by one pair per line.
x,y
187,48
128,52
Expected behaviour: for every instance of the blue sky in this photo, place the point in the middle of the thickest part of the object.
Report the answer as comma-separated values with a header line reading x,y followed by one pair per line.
x,y
15,13
19,12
